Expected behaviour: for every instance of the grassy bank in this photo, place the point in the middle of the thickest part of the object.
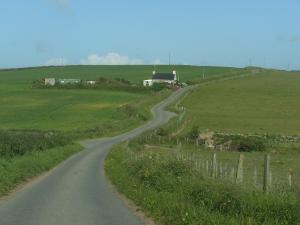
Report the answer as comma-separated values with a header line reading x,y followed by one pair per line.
x,y
18,169
27,153
172,192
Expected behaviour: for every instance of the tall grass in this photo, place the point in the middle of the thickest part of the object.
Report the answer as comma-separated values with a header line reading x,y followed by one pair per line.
x,y
17,142
173,193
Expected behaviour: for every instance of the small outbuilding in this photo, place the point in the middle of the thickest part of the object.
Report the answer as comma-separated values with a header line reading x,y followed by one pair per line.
x,y
69,81
49,81
148,83
91,82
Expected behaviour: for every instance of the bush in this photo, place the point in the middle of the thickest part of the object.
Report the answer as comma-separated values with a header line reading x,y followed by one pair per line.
x,y
158,87
194,133
248,144
161,132
14,143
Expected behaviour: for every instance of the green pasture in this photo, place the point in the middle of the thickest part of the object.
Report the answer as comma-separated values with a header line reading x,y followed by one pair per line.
x,y
23,107
61,109
267,102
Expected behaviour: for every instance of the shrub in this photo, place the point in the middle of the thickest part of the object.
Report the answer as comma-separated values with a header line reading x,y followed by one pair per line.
x,y
161,132
19,142
194,133
248,144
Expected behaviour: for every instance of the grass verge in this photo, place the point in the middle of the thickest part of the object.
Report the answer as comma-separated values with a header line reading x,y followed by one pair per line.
x,y
18,169
171,192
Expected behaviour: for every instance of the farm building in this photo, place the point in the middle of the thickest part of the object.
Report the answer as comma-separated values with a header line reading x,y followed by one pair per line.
x,y
49,81
91,82
147,82
169,78
69,81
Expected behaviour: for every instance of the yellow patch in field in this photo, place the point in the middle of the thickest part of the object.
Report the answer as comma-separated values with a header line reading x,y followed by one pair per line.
x,y
24,103
95,106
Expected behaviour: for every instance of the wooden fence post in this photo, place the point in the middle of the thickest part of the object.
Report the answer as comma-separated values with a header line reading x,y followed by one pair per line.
x,y
220,170
255,177
232,173
270,179
239,172
214,166
290,178
266,174
225,172
207,166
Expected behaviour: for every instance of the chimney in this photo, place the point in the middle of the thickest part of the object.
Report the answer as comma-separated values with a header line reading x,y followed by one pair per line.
x,y
175,76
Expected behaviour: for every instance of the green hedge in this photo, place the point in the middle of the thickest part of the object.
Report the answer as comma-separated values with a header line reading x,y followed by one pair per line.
x,y
13,143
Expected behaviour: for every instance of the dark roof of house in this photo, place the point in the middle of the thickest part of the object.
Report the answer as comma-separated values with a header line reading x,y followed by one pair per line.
x,y
163,76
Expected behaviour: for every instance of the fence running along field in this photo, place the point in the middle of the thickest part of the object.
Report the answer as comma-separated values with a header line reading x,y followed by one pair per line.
x,y
260,178
259,173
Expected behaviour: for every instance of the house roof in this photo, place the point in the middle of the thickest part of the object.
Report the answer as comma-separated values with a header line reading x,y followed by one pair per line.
x,y
163,76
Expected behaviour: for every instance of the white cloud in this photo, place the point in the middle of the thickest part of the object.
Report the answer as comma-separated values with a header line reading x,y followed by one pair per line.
x,y
111,59
56,62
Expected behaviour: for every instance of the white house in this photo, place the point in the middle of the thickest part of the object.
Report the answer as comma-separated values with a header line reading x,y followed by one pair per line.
x,y
169,78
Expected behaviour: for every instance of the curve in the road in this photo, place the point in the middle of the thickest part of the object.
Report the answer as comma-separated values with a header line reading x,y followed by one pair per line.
x,y
77,192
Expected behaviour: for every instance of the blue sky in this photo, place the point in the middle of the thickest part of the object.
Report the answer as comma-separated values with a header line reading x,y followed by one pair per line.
x,y
197,32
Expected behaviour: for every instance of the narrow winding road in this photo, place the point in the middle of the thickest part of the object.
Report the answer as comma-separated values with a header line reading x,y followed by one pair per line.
x,y
77,192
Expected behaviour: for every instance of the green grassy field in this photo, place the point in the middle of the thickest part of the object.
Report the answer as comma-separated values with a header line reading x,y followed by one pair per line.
x,y
61,109
262,103
25,108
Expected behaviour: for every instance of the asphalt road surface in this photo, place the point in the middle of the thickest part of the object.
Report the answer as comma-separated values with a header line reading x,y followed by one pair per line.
x,y
77,192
